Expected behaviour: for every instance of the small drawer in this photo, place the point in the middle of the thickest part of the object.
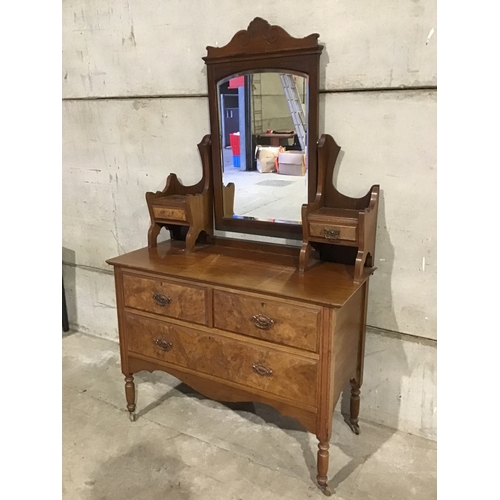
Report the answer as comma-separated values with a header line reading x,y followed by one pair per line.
x,y
171,299
332,232
293,325
286,375
169,213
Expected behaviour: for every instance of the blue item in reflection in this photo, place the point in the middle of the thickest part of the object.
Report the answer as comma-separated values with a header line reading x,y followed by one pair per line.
x,y
236,160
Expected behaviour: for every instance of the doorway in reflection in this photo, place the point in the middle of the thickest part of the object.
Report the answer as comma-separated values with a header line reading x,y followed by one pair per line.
x,y
235,109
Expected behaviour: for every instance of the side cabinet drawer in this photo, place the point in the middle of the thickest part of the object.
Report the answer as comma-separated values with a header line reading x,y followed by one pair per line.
x,y
333,232
289,324
269,370
171,299
168,214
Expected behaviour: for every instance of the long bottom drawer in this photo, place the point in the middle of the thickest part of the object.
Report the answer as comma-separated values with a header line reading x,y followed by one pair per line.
x,y
269,370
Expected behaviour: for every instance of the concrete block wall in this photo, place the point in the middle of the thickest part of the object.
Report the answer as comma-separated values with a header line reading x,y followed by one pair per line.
x,y
135,106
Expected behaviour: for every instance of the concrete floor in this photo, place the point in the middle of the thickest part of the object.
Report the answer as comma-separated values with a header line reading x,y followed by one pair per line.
x,y
268,196
185,447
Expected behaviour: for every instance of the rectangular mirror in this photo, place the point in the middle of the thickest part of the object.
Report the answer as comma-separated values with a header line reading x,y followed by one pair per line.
x,y
263,133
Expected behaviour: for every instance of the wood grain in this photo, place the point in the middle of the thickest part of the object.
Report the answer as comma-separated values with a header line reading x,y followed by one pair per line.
x,y
262,47
262,39
355,219
292,324
318,230
226,391
178,206
272,272
187,302
239,320
164,213
293,377
348,332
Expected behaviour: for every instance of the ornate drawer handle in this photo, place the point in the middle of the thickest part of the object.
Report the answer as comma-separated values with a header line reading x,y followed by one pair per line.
x,y
163,344
262,322
160,299
331,234
262,370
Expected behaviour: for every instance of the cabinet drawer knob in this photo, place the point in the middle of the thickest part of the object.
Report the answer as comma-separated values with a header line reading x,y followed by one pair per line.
x,y
163,344
160,299
262,322
262,370
331,234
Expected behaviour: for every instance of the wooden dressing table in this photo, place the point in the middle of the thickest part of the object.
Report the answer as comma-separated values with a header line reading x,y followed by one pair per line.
x,y
239,320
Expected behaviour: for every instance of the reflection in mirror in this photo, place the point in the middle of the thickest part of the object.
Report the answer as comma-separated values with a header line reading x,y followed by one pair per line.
x,y
263,130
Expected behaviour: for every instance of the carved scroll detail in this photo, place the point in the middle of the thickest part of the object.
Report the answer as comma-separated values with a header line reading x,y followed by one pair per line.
x,y
260,37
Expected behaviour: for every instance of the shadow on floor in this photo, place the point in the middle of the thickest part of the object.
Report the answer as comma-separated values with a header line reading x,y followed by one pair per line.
x,y
359,452
143,472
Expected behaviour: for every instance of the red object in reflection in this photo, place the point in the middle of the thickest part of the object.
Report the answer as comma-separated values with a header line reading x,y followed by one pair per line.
x,y
237,82
234,140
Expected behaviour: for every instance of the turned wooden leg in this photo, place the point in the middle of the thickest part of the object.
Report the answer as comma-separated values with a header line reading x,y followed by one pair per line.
x,y
353,419
130,395
323,459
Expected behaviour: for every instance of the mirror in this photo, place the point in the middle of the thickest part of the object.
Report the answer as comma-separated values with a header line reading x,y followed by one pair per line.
x,y
263,89
263,133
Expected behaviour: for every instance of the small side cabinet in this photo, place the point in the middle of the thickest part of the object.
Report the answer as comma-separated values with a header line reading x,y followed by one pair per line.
x,y
336,219
186,211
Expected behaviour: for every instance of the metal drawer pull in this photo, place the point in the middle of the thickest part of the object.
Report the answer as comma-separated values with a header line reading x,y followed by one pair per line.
x,y
262,322
262,370
160,299
164,344
331,234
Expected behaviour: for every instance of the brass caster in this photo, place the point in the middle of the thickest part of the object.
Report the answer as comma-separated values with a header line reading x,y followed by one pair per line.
x,y
132,416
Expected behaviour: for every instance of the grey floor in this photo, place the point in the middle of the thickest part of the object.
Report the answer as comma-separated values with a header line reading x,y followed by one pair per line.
x,y
267,196
183,446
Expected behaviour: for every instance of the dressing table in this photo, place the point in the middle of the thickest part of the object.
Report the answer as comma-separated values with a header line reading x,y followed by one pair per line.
x,y
241,320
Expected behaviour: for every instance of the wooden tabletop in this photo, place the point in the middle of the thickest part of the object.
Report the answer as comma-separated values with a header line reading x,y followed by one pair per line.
x,y
278,135
259,268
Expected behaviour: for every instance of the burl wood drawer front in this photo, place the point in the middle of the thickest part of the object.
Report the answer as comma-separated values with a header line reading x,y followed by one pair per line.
x,y
282,374
287,324
333,232
167,298
169,213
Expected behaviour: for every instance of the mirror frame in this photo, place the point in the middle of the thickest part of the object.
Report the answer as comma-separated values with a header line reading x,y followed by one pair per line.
x,y
263,48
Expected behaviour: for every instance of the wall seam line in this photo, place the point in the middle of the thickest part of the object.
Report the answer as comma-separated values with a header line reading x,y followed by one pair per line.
x,y
198,96
408,337
372,329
